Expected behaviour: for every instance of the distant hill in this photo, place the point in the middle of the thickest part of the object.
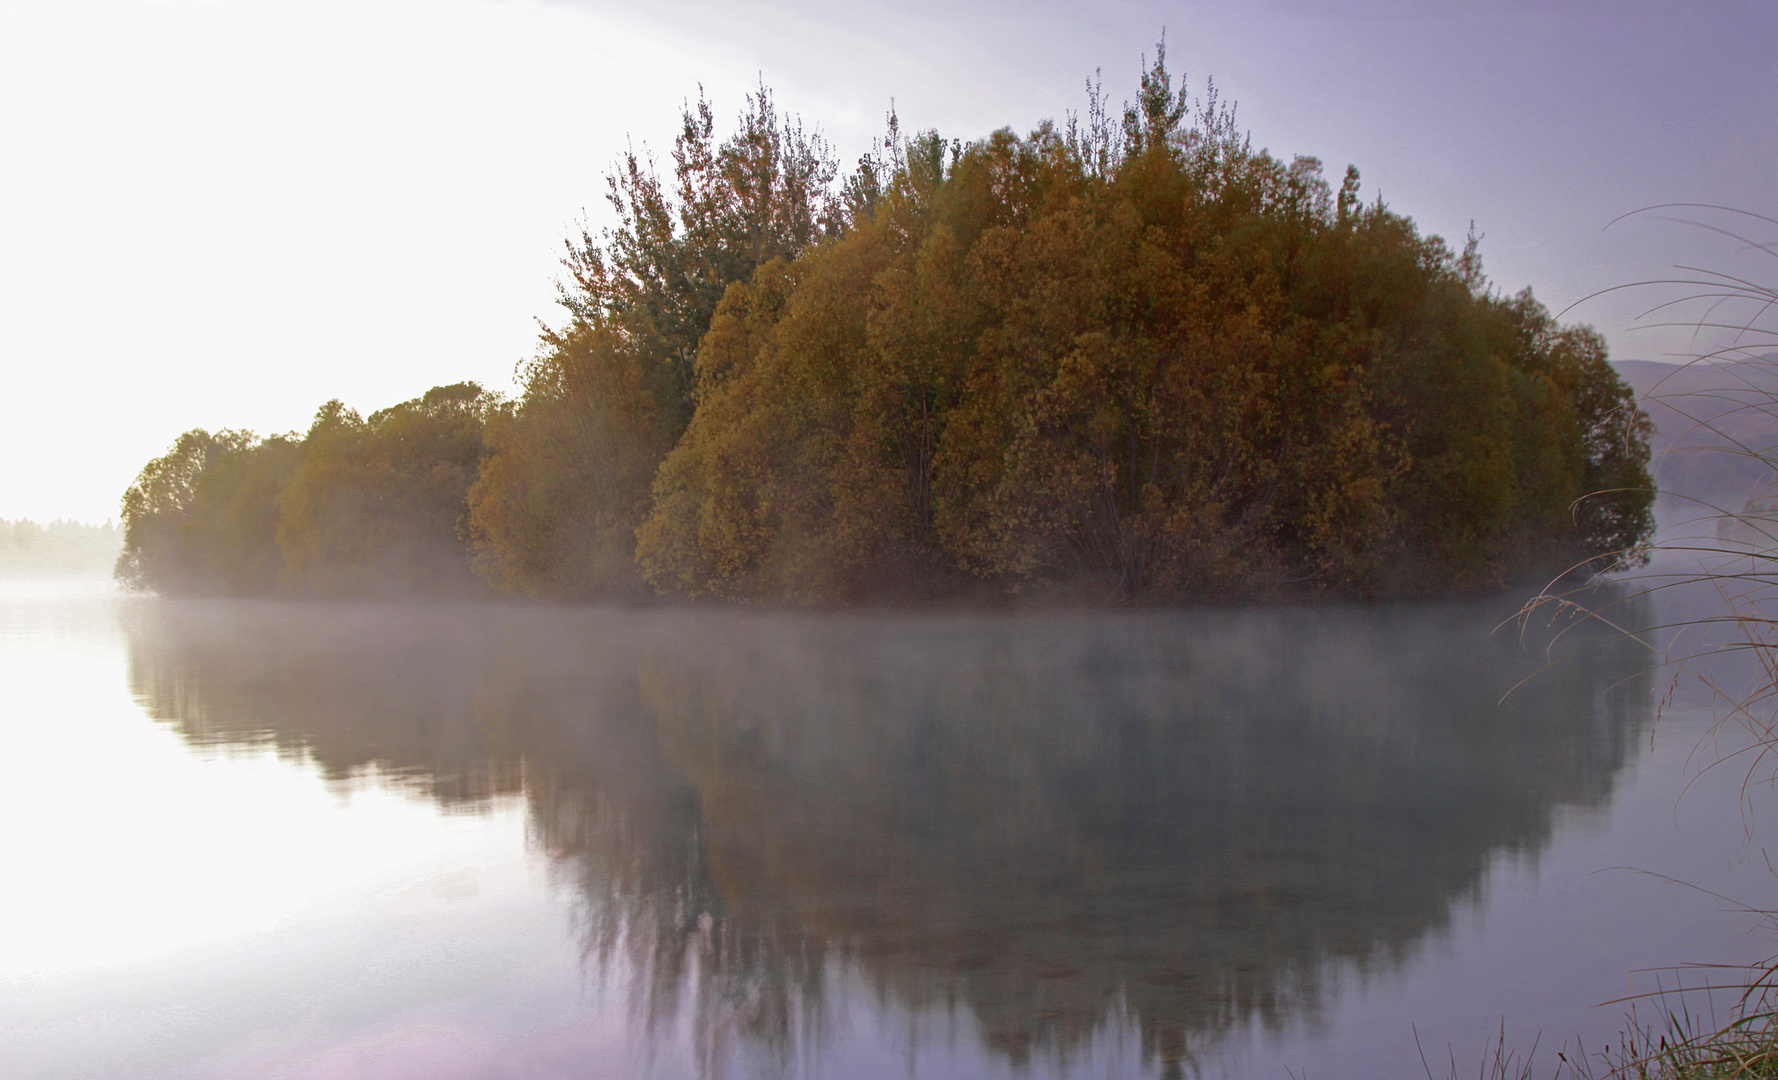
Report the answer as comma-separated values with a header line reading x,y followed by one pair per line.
x,y
1713,423
61,548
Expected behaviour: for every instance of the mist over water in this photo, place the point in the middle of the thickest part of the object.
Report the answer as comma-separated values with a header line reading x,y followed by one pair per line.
x,y
604,842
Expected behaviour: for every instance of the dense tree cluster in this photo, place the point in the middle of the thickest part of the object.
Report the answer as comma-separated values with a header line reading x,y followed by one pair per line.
x,y
356,507
1135,361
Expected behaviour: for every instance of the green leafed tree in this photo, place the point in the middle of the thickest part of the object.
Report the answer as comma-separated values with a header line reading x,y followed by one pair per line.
x,y
202,518
379,506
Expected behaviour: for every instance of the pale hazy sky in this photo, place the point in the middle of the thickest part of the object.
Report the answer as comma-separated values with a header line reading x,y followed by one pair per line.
x,y
221,213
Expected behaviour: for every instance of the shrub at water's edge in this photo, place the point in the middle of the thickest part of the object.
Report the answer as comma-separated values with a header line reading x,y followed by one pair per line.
x,y
1136,361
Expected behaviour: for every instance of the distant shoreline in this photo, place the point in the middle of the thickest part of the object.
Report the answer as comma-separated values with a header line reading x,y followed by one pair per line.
x,y
58,549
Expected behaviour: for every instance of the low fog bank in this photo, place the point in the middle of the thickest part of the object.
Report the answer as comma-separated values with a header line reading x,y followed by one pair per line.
x,y
59,549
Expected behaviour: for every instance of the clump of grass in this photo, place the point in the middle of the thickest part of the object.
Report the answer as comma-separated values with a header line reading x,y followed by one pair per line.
x,y
1680,1043
1686,1045
1746,1048
1499,1061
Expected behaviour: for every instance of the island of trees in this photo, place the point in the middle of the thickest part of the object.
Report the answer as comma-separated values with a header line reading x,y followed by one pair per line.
x,y
1124,357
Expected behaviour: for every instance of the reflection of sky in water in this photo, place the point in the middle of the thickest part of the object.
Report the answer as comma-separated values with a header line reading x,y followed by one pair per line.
x,y
574,844
135,847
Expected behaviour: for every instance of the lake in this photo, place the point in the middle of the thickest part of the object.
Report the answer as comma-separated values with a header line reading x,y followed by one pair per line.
x,y
287,840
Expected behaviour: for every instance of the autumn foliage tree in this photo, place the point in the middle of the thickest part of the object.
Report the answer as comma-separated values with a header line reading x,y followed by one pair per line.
x,y
1162,366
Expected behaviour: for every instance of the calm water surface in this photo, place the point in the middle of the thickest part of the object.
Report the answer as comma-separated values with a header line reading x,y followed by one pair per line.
x,y
356,841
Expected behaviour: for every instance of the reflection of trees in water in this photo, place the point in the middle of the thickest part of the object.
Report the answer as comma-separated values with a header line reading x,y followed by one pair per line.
x,y
1175,821
350,688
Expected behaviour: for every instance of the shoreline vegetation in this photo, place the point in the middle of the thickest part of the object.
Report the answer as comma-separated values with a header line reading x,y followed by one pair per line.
x,y
1719,415
1126,358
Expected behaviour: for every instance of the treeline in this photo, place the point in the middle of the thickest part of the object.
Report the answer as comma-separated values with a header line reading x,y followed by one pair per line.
x,y
1134,359
28,548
